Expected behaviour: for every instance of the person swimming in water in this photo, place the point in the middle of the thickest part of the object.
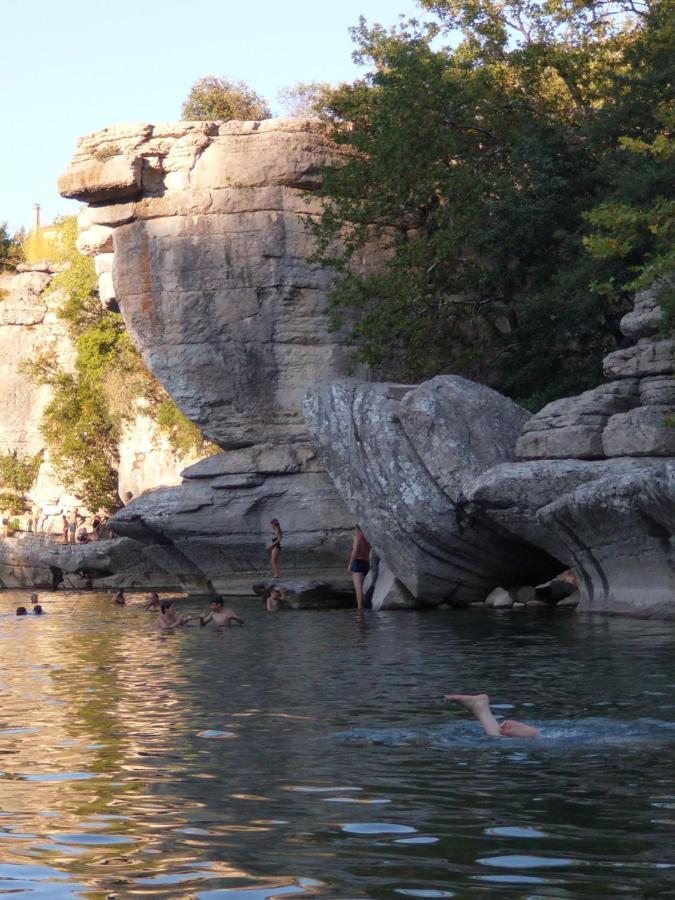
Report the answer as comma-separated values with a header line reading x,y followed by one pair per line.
x,y
275,547
220,616
169,617
272,602
479,705
151,602
118,599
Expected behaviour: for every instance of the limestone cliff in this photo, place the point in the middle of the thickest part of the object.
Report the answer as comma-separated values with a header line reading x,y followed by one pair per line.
x,y
198,232
30,328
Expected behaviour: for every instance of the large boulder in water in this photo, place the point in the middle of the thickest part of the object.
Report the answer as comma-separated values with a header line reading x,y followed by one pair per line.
x,y
400,458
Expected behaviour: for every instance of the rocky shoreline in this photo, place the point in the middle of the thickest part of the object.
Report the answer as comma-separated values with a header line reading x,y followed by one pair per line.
x,y
198,236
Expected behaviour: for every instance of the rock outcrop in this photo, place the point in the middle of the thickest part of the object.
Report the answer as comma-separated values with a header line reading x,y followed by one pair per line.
x,y
30,328
596,487
401,458
199,236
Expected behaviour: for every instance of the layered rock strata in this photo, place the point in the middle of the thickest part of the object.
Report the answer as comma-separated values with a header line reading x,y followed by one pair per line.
x,y
401,458
596,487
199,235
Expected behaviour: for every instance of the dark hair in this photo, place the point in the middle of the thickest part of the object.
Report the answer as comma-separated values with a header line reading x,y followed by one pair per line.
x,y
274,521
37,610
218,600
166,604
21,611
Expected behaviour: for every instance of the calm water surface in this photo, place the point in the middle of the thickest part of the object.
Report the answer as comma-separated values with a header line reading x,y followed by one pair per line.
x,y
311,754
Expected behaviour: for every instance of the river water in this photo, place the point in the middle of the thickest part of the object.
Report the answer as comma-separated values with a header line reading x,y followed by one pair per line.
x,y
310,753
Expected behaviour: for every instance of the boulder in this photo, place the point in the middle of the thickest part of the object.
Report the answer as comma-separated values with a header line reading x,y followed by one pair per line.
x,y
389,592
644,320
401,457
640,432
499,599
645,358
611,521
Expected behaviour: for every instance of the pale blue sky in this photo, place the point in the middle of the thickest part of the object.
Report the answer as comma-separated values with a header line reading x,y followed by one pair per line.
x,y
74,67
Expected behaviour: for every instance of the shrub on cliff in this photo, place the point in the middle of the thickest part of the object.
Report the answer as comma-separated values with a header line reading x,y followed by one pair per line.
x,y
11,253
213,98
483,168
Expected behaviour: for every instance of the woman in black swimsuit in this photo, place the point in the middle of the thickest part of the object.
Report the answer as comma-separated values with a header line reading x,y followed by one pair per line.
x,y
275,547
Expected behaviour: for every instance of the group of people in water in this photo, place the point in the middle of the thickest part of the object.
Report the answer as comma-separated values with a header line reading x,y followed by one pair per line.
x,y
219,615
35,607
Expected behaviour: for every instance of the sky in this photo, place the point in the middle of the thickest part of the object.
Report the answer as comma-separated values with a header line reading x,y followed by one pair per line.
x,y
75,67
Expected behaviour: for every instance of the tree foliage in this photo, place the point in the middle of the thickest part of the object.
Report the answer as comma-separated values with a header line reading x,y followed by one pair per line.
x,y
11,253
213,98
82,423
304,98
481,171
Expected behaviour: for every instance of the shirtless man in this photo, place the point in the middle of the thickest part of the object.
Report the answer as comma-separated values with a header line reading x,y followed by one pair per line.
x,y
479,704
219,615
359,564
169,617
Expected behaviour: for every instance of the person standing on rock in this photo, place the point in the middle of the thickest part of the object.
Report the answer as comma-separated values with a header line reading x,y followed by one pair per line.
x,y
275,547
359,564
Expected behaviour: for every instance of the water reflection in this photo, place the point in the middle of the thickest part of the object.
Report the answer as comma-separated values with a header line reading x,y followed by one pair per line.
x,y
311,754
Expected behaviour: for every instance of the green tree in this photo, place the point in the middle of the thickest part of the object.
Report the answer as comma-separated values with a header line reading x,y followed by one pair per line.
x,y
475,167
10,249
213,98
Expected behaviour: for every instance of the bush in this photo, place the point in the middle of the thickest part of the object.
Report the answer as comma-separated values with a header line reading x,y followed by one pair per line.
x,y
213,98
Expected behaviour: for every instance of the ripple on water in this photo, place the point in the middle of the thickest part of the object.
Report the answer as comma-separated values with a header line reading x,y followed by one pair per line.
x,y
422,892
526,831
214,733
527,862
377,828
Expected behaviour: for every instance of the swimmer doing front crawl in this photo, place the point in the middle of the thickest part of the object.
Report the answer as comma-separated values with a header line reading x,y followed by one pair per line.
x,y
479,704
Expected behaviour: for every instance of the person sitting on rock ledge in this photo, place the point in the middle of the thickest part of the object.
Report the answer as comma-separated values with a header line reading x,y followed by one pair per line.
x,y
169,617
219,615
564,585
479,705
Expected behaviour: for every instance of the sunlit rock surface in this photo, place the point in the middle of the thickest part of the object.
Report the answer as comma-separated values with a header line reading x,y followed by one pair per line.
x,y
209,267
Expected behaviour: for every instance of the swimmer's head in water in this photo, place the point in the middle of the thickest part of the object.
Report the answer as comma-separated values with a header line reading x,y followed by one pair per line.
x,y
37,610
33,599
274,521
217,603
166,605
21,611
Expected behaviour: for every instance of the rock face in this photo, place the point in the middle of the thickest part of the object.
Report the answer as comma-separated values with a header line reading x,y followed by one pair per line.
x,y
210,263
597,489
198,233
30,328
401,458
